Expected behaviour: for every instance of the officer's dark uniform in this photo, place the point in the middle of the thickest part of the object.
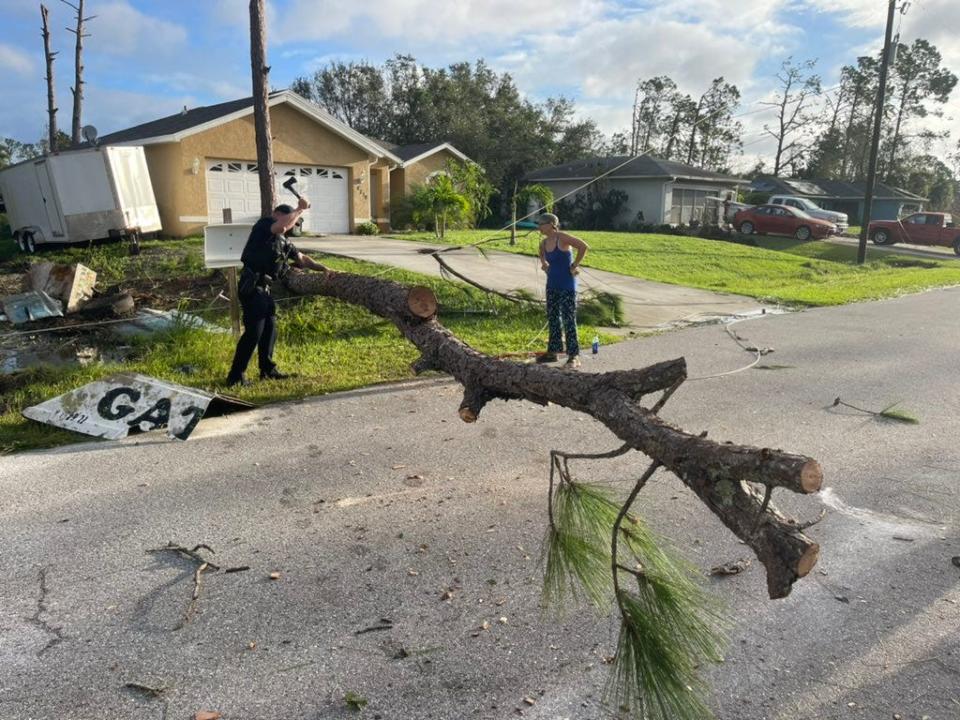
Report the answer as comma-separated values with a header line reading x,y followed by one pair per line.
x,y
265,260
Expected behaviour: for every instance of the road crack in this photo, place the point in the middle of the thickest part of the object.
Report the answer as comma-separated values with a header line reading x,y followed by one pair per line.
x,y
38,620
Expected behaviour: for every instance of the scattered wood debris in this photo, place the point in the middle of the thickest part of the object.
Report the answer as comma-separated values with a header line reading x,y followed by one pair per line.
x,y
203,565
731,568
383,624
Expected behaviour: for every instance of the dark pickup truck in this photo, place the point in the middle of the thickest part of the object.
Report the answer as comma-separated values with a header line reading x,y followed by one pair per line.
x,y
925,228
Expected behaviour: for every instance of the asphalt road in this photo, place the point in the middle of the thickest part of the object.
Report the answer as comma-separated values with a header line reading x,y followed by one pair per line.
x,y
381,504
646,304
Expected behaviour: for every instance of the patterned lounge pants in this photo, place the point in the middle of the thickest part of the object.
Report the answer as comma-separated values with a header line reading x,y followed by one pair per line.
x,y
562,312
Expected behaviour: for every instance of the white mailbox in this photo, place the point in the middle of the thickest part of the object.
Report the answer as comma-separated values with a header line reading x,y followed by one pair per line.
x,y
223,244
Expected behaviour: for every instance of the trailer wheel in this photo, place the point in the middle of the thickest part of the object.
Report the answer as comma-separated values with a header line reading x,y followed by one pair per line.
x,y
19,241
27,243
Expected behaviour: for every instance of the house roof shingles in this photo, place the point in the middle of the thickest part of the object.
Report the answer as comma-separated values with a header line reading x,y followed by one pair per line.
x,y
177,123
194,117
408,152
642,166
822,188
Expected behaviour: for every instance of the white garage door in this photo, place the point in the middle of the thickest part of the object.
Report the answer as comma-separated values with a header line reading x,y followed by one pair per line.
x,y
235,184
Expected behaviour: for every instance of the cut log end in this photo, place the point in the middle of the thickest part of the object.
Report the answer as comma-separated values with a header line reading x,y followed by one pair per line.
x,y
422,303
811,477
468,415
808,560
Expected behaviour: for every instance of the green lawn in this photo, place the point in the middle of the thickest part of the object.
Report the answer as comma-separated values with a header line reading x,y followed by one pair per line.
x,y
330,344
774,270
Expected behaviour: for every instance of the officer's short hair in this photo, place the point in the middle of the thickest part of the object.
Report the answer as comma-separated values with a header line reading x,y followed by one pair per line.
x,y
283,209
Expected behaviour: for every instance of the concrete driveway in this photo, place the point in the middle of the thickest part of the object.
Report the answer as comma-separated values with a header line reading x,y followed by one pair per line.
x,y
647,304
407,546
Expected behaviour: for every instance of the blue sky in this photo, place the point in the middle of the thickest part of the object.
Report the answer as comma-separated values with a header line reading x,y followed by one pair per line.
x,y
149,58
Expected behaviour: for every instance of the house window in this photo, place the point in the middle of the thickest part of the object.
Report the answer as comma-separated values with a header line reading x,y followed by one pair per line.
x,y
305,171
234,167
251,167
216,168
335,175
687,205
323,172
292,171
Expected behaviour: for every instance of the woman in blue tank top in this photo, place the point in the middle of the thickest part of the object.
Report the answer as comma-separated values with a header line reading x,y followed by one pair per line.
x,y
557,261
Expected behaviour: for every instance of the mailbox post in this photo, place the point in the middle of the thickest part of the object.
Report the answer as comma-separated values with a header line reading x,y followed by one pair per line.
x,y
222,247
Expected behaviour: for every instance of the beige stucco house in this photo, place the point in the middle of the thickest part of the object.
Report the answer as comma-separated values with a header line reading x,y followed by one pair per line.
x,y
203,160
418,164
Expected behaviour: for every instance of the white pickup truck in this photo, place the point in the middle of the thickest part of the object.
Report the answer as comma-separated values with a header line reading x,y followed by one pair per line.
x,y
812,209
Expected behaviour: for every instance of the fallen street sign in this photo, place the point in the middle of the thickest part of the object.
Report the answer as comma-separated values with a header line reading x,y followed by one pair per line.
x,y
113,407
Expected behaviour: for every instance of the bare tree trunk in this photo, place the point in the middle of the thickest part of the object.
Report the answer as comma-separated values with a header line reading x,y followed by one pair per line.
x,y
849,132
904,96
77,88
674,129
693,132
51,100
261,108
778,156
635,125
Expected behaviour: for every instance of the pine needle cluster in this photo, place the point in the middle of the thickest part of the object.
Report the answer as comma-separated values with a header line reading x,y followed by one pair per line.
x,y
670,625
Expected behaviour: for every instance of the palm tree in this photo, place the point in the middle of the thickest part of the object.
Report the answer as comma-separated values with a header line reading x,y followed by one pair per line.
x,y
440,200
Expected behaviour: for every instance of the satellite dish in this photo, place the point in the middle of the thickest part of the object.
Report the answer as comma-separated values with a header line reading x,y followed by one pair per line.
x,y
89,133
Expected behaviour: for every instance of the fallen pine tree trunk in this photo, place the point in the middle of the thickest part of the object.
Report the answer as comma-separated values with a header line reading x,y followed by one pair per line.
x,y
716,472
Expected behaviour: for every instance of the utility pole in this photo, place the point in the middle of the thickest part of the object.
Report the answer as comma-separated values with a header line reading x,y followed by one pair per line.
x,y
875,145
261,108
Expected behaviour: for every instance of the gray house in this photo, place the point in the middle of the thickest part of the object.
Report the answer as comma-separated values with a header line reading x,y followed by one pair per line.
x,y
658,191
889,203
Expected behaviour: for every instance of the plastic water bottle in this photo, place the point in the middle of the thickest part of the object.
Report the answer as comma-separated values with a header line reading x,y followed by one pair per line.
x,y
596,344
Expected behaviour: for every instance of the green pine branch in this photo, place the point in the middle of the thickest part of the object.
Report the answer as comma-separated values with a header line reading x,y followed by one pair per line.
x,y
670,626
888,413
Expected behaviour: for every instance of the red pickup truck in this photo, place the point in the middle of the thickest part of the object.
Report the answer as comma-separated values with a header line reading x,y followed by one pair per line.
x,y
926,228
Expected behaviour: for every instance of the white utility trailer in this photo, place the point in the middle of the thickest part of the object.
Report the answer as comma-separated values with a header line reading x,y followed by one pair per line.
x,y
80,195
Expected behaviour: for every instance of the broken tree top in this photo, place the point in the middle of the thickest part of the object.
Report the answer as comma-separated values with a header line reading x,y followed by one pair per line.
x,y
718,473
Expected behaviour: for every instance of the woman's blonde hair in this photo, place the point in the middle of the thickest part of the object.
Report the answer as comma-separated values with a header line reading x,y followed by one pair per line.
x,y
549,219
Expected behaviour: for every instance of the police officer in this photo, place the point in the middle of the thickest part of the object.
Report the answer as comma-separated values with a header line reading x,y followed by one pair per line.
x,y
266,258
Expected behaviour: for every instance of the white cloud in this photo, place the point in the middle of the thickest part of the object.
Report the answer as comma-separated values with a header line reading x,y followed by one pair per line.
x,y
110,110
187,82
120,29
15,60
439,21
857,13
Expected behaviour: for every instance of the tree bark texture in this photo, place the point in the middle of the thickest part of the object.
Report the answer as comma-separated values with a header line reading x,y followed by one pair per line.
x,y
77,89
49,56
719,473
261,108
